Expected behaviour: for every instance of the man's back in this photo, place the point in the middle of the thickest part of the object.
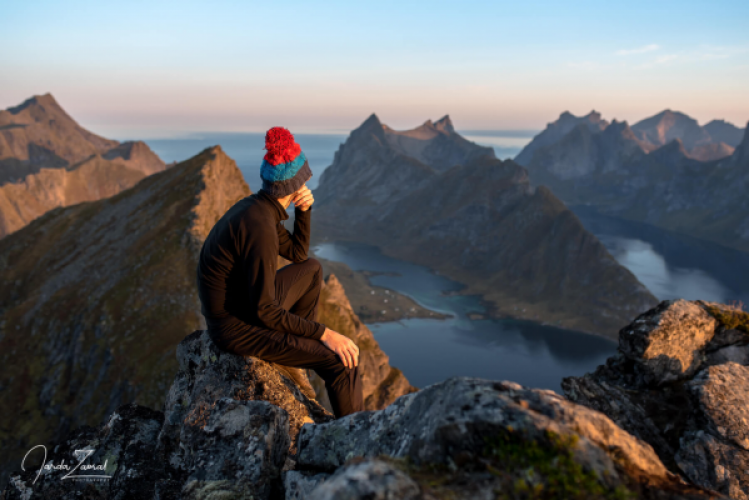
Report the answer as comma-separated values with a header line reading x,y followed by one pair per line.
x,y
237,266
220,267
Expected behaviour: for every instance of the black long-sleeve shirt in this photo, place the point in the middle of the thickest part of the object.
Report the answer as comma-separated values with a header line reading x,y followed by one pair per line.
x,y
237,268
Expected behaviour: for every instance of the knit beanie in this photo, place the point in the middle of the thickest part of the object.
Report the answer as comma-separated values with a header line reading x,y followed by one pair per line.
x,y
285,168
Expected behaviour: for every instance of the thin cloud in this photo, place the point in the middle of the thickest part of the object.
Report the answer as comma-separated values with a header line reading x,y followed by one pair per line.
x,y
639,50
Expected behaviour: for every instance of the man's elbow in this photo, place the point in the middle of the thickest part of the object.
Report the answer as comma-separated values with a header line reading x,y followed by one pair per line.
x,y
300,256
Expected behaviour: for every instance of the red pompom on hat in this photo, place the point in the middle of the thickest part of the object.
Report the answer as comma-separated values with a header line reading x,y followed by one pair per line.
x,y
281,146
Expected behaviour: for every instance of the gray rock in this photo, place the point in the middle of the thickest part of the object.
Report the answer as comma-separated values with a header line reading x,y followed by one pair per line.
x,y
735,353
124,448
713,464
649,341
368,480
208,374
234,449
722,393
298,484
681,384
447,423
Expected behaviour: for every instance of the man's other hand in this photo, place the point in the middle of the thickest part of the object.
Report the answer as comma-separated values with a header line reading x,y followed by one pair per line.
x,y
303,198
341,345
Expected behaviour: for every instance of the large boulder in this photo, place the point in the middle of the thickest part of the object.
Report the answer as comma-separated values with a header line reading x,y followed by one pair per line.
x,y
680,382
228,430
470,438
207,374
123,448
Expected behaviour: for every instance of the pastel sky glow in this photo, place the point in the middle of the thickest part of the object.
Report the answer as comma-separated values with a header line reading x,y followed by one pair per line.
x,y
155,69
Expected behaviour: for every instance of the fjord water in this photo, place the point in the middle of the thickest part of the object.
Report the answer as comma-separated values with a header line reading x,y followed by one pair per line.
x,y
428,351
672,265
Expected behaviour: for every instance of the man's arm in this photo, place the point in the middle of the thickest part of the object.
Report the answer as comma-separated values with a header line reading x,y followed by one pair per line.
x,y
260,273
295,247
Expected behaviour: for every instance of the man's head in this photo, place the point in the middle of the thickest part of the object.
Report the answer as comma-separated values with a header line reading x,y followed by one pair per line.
x,y
285,168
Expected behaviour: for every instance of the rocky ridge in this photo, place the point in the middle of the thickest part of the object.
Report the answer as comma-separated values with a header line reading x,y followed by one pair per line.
x,y
47,160
238,427
680,382
483,224
620,172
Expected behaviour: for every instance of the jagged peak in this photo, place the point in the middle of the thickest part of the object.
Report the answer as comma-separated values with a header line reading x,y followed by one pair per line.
x,y
593,117
666,114
40,99
445,124
372,125
618,126
372,120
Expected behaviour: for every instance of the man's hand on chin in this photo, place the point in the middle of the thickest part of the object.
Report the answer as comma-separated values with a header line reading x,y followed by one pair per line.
x,y
303,198
341,345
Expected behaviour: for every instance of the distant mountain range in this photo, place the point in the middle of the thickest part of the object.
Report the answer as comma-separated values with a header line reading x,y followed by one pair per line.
x,y
666,170
47,160
477,220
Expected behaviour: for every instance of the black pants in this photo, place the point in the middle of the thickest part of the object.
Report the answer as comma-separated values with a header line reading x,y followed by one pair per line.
x,y
298,291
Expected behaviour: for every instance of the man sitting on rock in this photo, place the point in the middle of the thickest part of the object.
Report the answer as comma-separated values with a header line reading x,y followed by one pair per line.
x,y
251,308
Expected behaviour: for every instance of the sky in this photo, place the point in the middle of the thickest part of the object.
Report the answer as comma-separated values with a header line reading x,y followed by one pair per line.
x,y
157,69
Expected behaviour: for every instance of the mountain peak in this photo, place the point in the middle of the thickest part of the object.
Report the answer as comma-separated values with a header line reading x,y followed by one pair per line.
x,y
723,131
445,124
372,119
667,125
594,116
40,100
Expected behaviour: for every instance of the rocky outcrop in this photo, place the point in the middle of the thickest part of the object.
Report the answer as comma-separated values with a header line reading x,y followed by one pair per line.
x,y
480,223
681,383
666,171
47,160
228,430
208,374
238,427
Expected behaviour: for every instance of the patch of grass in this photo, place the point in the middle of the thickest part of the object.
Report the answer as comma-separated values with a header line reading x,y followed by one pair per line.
x,y
732,317
545,469
522,468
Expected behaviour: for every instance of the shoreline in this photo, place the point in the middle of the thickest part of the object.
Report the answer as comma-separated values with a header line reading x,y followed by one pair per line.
x,y
491,310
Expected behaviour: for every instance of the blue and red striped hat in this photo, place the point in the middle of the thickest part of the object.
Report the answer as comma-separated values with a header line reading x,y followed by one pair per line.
x,y
285,168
